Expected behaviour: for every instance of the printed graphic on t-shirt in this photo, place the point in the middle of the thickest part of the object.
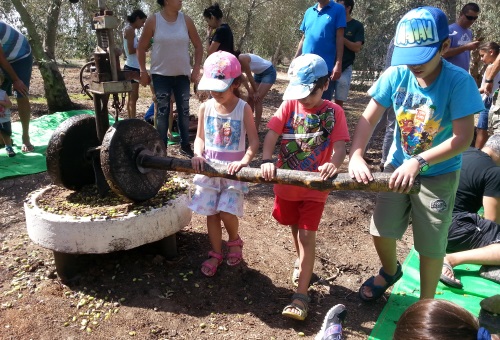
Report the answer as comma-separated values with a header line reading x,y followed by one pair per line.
x,y
223,134
464,39
305,136
418,128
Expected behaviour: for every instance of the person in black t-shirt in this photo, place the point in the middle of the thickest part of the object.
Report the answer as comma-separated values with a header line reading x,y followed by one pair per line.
x,y
472,238
219,35
354,38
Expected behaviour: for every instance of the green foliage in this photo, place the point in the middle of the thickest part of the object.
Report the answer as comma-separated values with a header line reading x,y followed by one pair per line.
x,y
269,28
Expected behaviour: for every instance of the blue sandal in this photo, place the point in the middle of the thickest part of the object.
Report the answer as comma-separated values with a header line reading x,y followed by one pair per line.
x,y
378,291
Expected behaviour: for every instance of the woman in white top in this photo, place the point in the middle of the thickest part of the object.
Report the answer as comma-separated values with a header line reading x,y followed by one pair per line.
x,y
134,22
263,78
172,31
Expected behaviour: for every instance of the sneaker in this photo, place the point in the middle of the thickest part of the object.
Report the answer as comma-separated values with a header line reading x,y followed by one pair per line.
x,y
187,151
332,325
10,151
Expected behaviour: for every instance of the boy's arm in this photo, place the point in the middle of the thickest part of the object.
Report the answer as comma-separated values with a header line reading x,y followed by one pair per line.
x,y
339,153
358,168
463,130
492,208
354,46
327,170
268,168
269,144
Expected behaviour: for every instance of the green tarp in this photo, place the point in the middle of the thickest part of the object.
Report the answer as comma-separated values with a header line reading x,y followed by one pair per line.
x,y
407,290
41,130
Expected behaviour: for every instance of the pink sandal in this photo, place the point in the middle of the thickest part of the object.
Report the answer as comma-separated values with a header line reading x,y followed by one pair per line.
x,y
234,258
211,269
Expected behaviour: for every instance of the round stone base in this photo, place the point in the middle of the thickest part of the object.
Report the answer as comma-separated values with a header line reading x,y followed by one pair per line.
x,y
70,235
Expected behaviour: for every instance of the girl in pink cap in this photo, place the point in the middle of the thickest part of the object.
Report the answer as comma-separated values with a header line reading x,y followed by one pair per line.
x,y
223,123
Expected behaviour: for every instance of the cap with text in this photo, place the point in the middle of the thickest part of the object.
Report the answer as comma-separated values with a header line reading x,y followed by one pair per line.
x,y
419,35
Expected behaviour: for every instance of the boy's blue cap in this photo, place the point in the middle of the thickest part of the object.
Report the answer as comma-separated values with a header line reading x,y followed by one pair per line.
x,y
303,73
419,35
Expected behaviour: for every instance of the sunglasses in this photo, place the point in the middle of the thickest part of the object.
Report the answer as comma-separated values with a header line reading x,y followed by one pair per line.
x,y
470,17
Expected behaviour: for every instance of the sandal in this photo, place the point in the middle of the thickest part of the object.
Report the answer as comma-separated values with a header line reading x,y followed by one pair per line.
x,y
302,309
10,151
234,258
210,269
450,282
378,291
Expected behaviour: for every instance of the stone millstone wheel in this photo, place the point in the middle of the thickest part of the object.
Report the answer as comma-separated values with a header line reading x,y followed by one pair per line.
x,y
120,147
68,162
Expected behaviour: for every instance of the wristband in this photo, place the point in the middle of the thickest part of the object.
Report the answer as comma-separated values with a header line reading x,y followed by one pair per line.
x,y
488,81
423,165
264,161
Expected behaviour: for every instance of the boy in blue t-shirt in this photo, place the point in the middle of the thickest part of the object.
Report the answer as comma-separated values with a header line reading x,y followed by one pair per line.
x,y
435,102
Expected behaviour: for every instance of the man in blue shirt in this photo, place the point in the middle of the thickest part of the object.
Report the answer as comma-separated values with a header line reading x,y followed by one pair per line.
x,y
323,26
461,37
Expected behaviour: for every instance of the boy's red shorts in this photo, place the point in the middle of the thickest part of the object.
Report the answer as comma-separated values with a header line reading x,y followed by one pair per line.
x,y
306,214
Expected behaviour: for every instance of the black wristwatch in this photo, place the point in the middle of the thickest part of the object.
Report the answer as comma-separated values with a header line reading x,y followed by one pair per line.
x,y
489,81
424,166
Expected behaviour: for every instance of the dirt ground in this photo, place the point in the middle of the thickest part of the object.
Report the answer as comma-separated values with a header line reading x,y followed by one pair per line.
x,y
137,294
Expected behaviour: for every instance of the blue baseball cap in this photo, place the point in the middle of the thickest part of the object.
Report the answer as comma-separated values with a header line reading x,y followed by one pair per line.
x,y
303,73
419,35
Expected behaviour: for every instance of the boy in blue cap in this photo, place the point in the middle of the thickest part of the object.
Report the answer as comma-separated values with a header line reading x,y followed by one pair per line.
x,y
435,102
314,132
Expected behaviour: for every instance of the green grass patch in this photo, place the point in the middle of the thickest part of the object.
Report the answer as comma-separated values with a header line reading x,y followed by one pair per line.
x,y
38,100
78,96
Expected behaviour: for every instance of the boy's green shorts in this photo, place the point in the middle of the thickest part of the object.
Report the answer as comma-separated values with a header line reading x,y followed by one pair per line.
x,y
430,212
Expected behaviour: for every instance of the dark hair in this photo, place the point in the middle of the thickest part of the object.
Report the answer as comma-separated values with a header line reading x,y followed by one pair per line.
x,y
137,14
213,11
431,319
491,45
348,3
237,81
319,83
161,2
471,6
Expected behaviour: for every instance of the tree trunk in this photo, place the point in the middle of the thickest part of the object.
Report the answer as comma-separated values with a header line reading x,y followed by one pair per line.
x,y
248,21
277,53
55,89
52,24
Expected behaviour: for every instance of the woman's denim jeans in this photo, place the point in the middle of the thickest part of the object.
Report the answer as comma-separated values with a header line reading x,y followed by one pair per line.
x,y
164,86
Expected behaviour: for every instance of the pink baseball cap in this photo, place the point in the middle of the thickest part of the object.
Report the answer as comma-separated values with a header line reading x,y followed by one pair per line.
x,y
219,71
